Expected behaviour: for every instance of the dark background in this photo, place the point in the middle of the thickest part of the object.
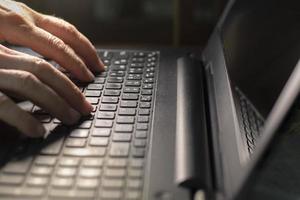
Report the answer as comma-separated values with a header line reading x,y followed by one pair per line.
x,y
138,22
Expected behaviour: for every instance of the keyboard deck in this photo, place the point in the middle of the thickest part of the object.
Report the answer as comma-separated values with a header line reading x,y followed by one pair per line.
x,y
104,156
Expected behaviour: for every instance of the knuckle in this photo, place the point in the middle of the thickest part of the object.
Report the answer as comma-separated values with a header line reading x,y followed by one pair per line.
x,y
71,29
58,43
27,80
14,17
40,66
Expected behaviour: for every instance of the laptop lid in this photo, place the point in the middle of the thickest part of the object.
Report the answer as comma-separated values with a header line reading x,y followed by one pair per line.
x,y
255,48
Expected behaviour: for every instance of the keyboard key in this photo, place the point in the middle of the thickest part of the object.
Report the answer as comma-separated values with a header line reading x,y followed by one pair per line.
x,y
149,75
115,173
72,194
141,134
127,111
99,80
106,115
126,128
135,173
134,77
87,183
113,183
37,181
115,80
69,162
128,104
149,80
91,152
148,86
57,121
112,93
138,152
101,132
43,118
111,194
117,162
108,107
131,90
113,86
134,184
53,148
125,119
145,105
75,142
136,70
66,172
17,167
103,123
137,65
79,133
139,54
46,160
133,83
94,86
89,172
143,119
85,124
92,93
117,73
62,182
120,62
133,195
99,141
137,163
92,162
110,100
146,98
127,96
10,179
41,171
138,60
142,126
21,192
144,111
121,137
92,100
118,149
140,143
150,69
146,92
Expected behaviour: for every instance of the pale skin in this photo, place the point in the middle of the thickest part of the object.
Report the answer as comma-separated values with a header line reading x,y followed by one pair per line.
x,y
34,79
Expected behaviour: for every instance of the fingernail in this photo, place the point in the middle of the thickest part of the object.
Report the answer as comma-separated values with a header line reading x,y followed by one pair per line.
x,y
74,116
91,76
40,130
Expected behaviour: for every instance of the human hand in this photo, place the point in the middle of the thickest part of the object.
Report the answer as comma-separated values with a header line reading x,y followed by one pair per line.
x,y
37,80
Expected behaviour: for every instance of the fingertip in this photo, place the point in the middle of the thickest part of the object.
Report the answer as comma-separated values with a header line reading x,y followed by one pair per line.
x,y
73,117
40,130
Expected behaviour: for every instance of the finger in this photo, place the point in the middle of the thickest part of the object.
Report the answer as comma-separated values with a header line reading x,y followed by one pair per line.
x,y
11,114
50,76
71,36
16,30
27,85
6,50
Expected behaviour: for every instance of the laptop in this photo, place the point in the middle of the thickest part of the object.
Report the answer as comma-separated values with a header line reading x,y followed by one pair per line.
x,y
168,123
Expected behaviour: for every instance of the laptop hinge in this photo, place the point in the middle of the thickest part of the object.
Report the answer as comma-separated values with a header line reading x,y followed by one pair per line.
x,y
193,168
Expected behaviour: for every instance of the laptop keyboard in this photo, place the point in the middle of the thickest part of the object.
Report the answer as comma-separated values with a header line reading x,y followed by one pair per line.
x,y
252,123
104,156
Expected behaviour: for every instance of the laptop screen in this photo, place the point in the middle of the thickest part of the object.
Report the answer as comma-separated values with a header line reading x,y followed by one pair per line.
x,y
262,45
